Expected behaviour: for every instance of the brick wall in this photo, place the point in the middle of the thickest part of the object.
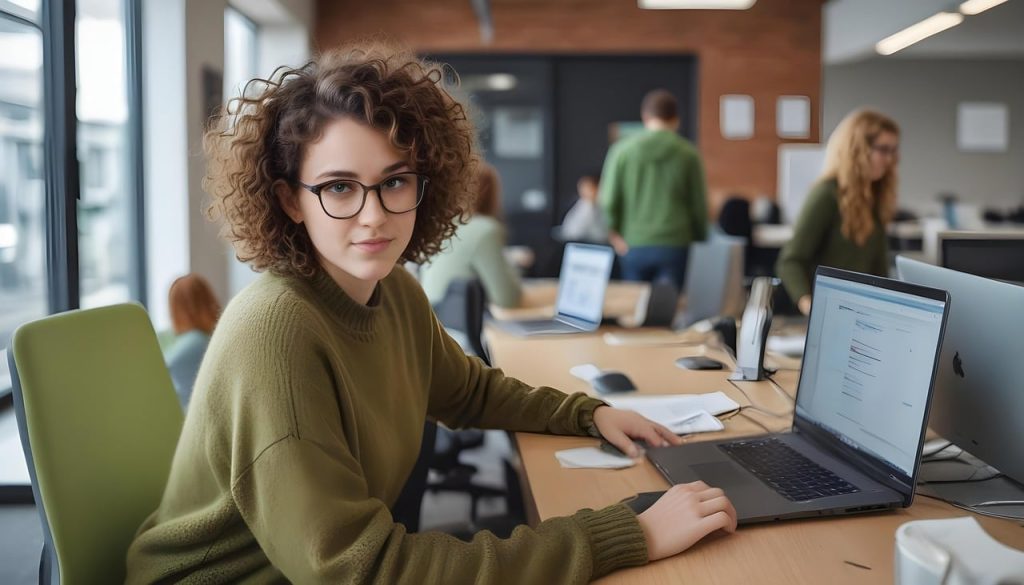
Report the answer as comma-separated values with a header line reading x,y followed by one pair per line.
x,y
770,50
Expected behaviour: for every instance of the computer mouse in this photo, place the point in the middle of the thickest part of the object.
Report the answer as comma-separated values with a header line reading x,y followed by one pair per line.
x,y
612,382
699,362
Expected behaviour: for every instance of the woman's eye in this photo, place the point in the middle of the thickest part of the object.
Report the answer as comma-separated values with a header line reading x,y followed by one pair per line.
x,y
394,182
341,187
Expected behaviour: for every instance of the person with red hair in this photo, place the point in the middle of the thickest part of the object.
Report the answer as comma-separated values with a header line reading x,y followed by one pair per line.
x,y
194,312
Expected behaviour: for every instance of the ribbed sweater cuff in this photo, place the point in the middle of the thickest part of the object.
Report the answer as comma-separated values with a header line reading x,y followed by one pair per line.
x,y
586,416
616,538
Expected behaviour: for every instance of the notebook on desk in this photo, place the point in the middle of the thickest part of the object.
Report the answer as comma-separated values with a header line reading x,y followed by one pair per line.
x,y
582,284
861,406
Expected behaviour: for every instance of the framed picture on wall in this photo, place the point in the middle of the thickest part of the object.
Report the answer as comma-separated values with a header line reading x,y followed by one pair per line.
x,y
213,93
982,127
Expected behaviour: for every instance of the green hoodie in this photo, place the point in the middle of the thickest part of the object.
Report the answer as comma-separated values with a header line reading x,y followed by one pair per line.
x,y
653,190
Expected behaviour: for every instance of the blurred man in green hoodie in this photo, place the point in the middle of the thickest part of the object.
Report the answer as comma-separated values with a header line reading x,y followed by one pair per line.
x,y
653,195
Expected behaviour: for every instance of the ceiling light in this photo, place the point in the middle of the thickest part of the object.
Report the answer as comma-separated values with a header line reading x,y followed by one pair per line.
x,y
977,6
696,4
918,32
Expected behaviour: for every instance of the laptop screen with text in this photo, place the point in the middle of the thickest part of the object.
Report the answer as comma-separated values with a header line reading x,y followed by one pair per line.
x,y
583,280
868,367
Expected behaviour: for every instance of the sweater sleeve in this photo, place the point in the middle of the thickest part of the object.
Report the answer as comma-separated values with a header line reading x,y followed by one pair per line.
x,y
817,218
464,392
498,277
611,194
697,199
311,512
880,263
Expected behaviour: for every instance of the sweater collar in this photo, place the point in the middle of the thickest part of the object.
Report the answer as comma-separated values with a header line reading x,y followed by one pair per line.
x,y
358,318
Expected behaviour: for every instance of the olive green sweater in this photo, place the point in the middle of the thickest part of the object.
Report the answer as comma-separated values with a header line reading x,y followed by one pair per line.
x,y
305,422
818,240
653,190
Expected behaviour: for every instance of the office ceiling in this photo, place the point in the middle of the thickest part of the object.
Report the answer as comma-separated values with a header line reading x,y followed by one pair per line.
x,y
997,32
852,27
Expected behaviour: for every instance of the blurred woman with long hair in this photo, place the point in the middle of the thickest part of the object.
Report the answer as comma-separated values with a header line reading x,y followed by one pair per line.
x,y
843,221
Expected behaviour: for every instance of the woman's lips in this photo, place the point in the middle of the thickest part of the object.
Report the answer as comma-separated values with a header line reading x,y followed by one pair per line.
x,y
373,246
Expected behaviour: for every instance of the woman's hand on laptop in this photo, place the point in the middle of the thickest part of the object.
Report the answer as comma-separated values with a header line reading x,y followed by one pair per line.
x,y
622,427
685,514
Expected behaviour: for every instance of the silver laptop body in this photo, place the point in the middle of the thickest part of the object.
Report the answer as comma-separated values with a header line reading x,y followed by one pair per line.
x,y
862,403
582,284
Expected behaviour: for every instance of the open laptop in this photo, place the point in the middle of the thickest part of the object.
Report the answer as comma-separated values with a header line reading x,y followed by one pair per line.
x,y
582,283
862,403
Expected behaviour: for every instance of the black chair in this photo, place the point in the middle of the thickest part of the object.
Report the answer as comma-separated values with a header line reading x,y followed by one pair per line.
x,y
406,509
462,311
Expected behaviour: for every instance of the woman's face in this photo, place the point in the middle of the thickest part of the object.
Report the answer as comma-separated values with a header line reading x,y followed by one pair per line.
x,y
885,154
359,251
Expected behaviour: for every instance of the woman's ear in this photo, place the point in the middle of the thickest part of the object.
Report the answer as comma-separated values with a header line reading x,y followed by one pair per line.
x,y
286,197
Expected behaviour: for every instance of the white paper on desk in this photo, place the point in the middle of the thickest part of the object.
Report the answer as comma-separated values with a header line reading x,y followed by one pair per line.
x,y
791,345
704,423
592,457
665,409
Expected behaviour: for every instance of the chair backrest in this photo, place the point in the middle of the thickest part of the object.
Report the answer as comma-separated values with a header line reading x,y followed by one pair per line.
x,y
462,310
734,218
99,423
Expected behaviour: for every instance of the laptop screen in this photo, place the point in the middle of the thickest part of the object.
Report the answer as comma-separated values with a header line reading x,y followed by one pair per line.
x,y
583,280
868,367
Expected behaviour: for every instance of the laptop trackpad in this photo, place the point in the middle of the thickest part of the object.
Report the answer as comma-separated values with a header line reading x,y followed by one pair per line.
x,y
722,474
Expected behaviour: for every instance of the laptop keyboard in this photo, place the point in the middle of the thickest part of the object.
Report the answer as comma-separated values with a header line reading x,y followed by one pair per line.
x,y
785,470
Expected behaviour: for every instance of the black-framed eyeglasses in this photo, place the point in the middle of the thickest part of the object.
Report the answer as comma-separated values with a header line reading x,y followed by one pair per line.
x,y
345,198
886,149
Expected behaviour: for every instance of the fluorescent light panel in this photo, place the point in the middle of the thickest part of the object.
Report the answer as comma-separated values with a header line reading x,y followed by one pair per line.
x,y
978,6
912,34
695,4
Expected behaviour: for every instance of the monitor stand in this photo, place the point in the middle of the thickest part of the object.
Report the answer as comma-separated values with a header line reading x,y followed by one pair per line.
x,y
967,480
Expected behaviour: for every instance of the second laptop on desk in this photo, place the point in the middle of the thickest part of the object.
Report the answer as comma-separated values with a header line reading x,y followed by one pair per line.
x,y
582,284
862,403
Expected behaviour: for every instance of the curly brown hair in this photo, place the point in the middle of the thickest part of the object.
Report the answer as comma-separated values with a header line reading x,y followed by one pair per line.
x,y
257,147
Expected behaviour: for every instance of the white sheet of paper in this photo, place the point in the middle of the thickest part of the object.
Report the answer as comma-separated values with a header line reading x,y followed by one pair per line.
x,y
592,457
667,409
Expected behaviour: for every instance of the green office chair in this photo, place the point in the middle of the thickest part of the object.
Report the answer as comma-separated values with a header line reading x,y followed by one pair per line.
x,y
99,422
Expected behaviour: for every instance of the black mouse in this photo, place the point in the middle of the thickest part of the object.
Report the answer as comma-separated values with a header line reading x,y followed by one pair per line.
x,y
642,501
699,362
612,382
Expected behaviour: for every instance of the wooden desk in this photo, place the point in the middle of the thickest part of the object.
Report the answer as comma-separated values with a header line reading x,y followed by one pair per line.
x,y
800,551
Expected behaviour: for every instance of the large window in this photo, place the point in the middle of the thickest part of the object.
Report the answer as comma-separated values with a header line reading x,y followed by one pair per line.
x,y
67,239
23,275
107,250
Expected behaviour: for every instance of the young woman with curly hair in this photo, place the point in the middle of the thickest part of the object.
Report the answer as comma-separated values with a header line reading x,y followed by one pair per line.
x,y
842,223
308,410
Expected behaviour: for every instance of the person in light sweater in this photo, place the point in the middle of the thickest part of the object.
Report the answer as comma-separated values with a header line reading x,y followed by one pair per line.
x,y
476,250
308,410
584,221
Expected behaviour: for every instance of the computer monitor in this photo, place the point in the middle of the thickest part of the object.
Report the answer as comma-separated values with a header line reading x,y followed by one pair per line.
x,y
998,255
978,402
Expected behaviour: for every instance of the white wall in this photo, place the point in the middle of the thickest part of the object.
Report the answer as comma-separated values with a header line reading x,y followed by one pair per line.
x,y
165,148
180,39
922,95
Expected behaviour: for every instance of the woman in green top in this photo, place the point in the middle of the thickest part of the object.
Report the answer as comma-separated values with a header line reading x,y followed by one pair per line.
x,y
308,409
842,223
475,251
